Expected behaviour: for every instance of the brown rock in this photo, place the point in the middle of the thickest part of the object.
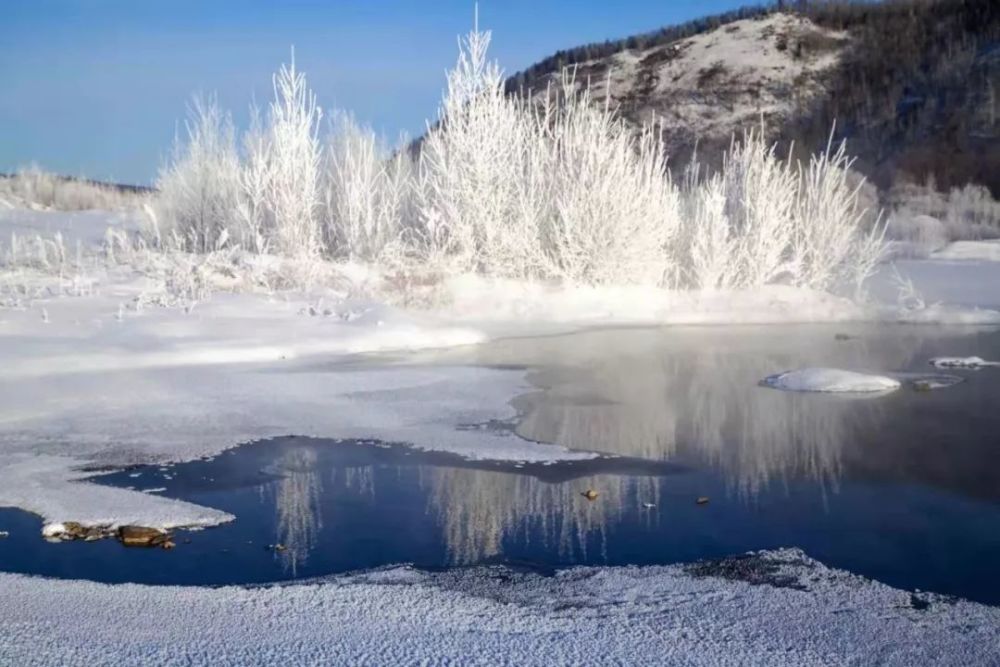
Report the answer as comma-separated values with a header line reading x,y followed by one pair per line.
x,y
73,531
140,536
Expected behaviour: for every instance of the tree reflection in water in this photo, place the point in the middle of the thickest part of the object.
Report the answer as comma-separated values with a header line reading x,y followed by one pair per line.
x,y
297,507
636,395
691,399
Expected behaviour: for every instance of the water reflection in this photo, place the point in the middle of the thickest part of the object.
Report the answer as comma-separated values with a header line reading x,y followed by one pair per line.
x,y
689,398
479,511
297,507
701,407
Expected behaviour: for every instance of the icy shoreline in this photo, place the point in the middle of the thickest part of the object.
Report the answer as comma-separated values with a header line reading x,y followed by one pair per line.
x,y
775,607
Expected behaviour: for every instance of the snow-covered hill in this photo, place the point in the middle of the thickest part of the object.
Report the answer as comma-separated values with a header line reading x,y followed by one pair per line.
x,y
705,87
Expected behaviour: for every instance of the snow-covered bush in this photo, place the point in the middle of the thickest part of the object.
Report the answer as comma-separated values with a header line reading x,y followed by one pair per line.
x,y
367,194
478,202
210,197
707,244
199,191
830,244
923,220
761,194
562,190
547,188
762,220
616,211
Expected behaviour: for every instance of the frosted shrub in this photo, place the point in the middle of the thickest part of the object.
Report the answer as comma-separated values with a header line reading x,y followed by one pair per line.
x,y
256,182
760,195
563,191
366,195
708,245
615,211
762,220
924,220
200,189
973,213
829,243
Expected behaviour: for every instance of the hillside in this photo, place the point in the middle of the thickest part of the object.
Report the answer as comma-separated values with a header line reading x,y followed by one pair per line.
x,y
913,85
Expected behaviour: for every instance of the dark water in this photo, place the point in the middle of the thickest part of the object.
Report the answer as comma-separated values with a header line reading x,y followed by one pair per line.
x,y
903,488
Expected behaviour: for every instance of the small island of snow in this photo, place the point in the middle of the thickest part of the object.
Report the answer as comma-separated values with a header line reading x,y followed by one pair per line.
x,y
962,362
831,380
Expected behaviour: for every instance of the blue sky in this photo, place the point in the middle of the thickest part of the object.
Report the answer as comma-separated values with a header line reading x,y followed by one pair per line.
x,y
98,88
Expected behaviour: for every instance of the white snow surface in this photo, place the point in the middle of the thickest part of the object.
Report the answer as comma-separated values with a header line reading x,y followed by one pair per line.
x,y
85,227
985,251
831,380
962,362
494,616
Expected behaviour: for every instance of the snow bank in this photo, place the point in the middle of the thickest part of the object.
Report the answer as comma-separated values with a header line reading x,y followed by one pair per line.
x,y
482,301
943,314
951,291
962,362
86,227
988,251
830,380
775,608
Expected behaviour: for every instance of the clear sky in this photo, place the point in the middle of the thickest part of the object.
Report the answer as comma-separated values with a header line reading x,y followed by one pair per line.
x,y
98,88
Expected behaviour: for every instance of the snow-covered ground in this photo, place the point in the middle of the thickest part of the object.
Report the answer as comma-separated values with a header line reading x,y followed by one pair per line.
x,y
777,608
988,251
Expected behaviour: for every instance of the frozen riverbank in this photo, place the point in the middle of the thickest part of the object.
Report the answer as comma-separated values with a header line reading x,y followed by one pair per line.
x,y
775,608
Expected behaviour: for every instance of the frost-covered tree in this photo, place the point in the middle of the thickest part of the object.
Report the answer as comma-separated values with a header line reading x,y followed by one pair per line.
x,y
293,192
760,200
474,167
